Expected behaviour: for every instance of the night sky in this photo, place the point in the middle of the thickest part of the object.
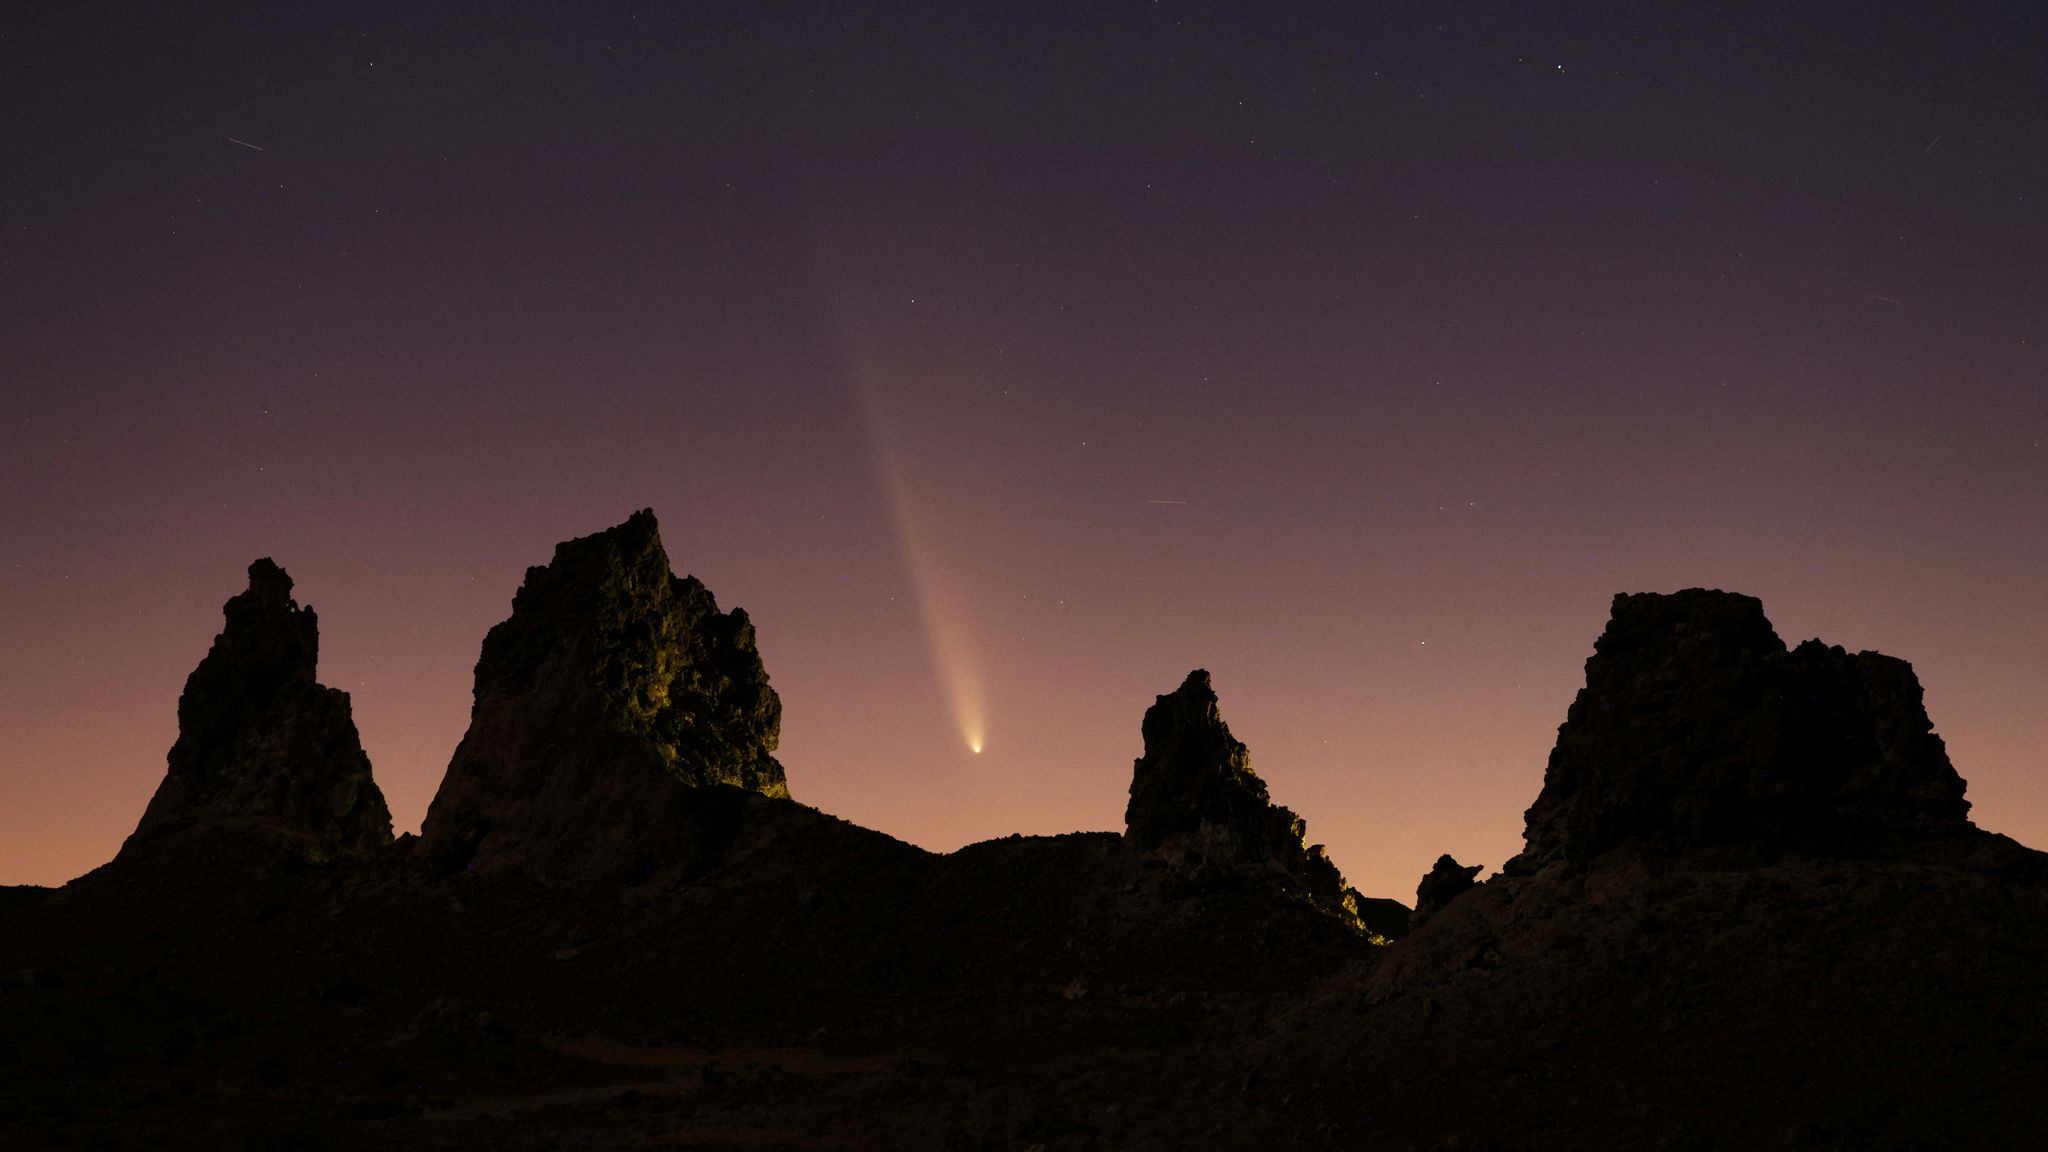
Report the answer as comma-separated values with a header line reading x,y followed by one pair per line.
x,y
1007,362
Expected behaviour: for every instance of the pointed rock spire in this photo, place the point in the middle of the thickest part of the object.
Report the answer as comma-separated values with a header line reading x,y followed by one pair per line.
x,y
1197,804
260,741
1696,727
613,691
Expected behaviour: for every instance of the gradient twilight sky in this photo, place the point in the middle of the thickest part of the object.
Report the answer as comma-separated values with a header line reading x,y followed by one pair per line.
x,y
1014,360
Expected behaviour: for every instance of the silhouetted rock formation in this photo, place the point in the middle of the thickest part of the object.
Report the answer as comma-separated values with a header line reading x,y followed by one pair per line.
x,y
613,691
1198,983
1442,885
1696,728
260,742
1197,804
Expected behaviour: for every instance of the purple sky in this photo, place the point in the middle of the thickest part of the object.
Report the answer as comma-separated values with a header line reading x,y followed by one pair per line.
x,y
1357,358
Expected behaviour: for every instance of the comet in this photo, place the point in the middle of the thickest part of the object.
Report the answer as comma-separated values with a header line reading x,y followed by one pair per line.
x,y
942,605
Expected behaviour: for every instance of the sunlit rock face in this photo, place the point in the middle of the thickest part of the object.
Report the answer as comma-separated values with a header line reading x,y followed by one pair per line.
x,y
1197,804
614,692
1697,728
261,743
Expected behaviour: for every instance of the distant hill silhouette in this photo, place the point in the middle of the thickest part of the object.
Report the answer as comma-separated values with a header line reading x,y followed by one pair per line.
x,y
1750,912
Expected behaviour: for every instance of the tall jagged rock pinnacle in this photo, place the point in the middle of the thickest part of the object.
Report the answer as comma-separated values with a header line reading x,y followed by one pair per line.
x,y
261,743
613,691
1197,804
1697,727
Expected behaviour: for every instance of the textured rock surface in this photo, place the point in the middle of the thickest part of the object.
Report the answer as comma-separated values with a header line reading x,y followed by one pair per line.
x,y
1445,881
261,742
1197,804
614,690
1696,728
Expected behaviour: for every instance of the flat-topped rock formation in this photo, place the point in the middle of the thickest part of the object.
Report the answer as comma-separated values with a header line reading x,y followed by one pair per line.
x,y
1698,728
615,694
1701,746
1197,805
261,743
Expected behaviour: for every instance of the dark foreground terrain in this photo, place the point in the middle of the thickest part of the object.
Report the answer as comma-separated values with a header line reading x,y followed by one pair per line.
x,y
1750,913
